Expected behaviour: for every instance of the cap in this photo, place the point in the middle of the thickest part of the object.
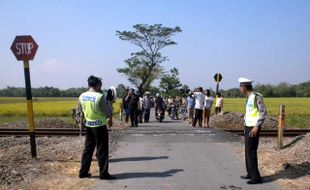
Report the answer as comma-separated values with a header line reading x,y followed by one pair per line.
x,y
147,92
245,81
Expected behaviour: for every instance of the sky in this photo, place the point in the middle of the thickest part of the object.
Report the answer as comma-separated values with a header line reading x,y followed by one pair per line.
x,y
267,41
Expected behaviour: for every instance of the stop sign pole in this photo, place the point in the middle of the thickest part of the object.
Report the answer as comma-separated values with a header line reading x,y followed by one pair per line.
x,y
24,48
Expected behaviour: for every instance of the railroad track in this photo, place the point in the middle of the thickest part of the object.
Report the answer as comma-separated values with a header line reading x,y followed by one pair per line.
x,y
41,132
273,133
76,132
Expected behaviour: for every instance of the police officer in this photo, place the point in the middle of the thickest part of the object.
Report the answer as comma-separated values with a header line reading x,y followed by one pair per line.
x,y
98,114
253,120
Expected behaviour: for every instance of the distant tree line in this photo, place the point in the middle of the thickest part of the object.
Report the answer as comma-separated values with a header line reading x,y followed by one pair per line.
x,y
171,86
168,87
280,90
42,92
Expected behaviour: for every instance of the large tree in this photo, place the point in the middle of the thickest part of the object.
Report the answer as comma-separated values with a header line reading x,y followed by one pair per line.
x,y
143,67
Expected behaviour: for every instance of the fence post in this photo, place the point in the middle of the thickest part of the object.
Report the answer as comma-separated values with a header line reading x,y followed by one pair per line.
x,y
281,124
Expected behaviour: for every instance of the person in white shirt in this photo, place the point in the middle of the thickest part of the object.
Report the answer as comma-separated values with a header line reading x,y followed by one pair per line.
x,y
219,105
207,108
199,106
147,104
140,109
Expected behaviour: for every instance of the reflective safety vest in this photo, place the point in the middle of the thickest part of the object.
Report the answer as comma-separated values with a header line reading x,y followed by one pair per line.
x,y
94,117
252,113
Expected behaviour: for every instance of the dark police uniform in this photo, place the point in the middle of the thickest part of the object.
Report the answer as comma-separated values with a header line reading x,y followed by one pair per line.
x,y
96,111
255,116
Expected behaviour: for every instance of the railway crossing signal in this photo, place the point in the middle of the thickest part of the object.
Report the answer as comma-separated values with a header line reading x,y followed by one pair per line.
x,y
217,77
24,48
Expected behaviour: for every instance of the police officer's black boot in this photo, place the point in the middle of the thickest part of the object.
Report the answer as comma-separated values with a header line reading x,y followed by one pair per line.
x,y
85,175
252,182
245,176
107,177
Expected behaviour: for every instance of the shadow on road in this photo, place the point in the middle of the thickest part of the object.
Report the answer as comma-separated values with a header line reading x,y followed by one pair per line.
x,y
164,174
137,159
290,172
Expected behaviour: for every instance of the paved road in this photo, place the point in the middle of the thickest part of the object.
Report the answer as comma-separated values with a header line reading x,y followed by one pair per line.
x,y
171,155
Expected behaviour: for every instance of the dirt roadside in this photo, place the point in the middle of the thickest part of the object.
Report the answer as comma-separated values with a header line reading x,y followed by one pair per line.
x,y
56,167
57,164
232,120
289,167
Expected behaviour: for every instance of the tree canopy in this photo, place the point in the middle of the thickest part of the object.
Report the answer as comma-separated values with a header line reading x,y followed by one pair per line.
x,y
170,83
144,66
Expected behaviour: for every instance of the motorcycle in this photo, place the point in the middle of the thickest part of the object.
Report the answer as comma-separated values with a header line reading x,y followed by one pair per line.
x,y
174,112
160,115
183,113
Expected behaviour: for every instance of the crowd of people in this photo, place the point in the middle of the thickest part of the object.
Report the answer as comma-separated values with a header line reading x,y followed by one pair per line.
x,y
136,107
197,107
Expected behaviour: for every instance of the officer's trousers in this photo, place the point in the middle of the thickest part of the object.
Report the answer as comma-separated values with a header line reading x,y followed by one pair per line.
x,y
251,161
96,137
134,117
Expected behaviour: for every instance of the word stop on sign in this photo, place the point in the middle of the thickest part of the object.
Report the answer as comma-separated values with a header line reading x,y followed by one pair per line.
x,y
24,48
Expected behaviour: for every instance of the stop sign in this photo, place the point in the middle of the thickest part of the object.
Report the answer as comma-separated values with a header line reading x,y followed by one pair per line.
x,y
24,48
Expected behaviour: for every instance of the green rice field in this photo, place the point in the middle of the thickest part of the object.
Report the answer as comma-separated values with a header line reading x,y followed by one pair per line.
x,y
12,109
